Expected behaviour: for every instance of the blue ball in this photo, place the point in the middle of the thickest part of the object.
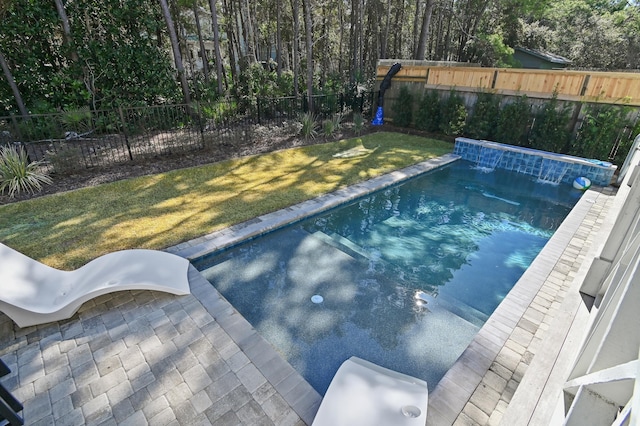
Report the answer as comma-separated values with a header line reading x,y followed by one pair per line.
x,y
582,183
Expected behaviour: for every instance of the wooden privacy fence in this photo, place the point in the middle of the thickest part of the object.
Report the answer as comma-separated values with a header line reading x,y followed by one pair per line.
x,y
578,86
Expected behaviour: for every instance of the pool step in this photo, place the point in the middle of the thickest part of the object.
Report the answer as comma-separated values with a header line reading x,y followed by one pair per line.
x,y
449,303
461,309
343,244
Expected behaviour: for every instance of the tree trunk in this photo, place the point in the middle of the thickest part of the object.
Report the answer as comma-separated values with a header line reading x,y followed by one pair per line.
x,y
278,38
356,40
176,52
384,45
416,24
341,38
470,14
216,45
306,4
247,28
295,8
324,48
203,52
13,85
397,38
231,39
66,29
424,31
371,39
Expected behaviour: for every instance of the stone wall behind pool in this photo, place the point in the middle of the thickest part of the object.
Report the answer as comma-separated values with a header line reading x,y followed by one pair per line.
x,y
547,166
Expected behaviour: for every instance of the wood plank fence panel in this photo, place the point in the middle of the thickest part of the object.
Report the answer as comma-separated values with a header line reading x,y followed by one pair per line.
x,y
413,73
620,88
586,86
461,77
528,81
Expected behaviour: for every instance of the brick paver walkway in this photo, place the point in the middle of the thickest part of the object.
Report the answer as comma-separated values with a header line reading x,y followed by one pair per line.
x,y
142,357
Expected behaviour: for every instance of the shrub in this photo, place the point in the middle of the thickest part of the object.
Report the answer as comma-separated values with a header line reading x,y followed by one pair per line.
x,y
78,119
337,121
65,160
484,120
428,114
358,123
513,122
308,129
603,129
17,174
453,115
332,125
403,108
328,127
550,130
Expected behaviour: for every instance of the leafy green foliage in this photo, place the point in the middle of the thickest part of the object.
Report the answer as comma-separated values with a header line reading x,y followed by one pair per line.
x,y
66,159
491,51
550,131
30,42
328,127
308,121
78,119
513,122
332,125
428,114
257,82
358,123
602,128
119,60
592,34
453,115
403,108
483,122
17,174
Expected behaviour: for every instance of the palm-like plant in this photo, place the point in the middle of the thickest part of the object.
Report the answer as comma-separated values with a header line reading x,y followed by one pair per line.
x,y
17,174
358,123
308,121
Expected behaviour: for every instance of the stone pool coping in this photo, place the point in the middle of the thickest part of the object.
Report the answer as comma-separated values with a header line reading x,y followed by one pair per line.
x,y
228,237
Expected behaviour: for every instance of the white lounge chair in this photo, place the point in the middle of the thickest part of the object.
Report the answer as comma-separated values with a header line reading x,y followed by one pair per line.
x,y
33,293
365,394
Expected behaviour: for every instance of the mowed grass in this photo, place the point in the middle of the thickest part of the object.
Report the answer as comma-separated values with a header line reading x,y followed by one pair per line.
x,y
69,229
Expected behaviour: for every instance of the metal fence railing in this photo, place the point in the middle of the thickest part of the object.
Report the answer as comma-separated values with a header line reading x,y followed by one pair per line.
x,y
83,138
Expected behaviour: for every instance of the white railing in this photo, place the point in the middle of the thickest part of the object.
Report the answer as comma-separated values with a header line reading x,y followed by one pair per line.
x,y
602,387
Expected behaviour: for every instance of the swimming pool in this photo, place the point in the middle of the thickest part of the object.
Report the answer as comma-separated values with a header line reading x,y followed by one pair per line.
x,y
407,276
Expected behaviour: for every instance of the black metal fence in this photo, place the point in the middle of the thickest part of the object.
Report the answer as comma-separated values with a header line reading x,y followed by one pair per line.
x,y
80,139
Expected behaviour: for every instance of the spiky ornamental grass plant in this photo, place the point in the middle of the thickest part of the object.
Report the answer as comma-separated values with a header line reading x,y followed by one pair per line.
x,y
328,127
358,123
308,121
17,174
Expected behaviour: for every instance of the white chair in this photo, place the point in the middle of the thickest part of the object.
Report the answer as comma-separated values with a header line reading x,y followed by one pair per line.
x,y
365,394
32,293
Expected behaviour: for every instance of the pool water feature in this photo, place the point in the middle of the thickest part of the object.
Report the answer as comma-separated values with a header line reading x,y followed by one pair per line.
x,y
404,277
549,167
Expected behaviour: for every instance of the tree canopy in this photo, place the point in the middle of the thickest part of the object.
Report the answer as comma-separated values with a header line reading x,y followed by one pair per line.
x,y
65,54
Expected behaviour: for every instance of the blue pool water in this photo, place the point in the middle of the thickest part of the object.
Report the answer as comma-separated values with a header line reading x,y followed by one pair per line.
x,y
407,275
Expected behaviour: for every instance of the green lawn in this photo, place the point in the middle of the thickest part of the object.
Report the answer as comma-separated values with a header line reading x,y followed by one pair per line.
x,y
67,230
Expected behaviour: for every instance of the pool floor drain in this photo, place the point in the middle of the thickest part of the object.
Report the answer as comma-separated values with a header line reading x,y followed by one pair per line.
x,y
316,298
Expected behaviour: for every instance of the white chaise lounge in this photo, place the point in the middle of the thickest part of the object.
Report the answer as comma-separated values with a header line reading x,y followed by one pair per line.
x,y
33,293
365,394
